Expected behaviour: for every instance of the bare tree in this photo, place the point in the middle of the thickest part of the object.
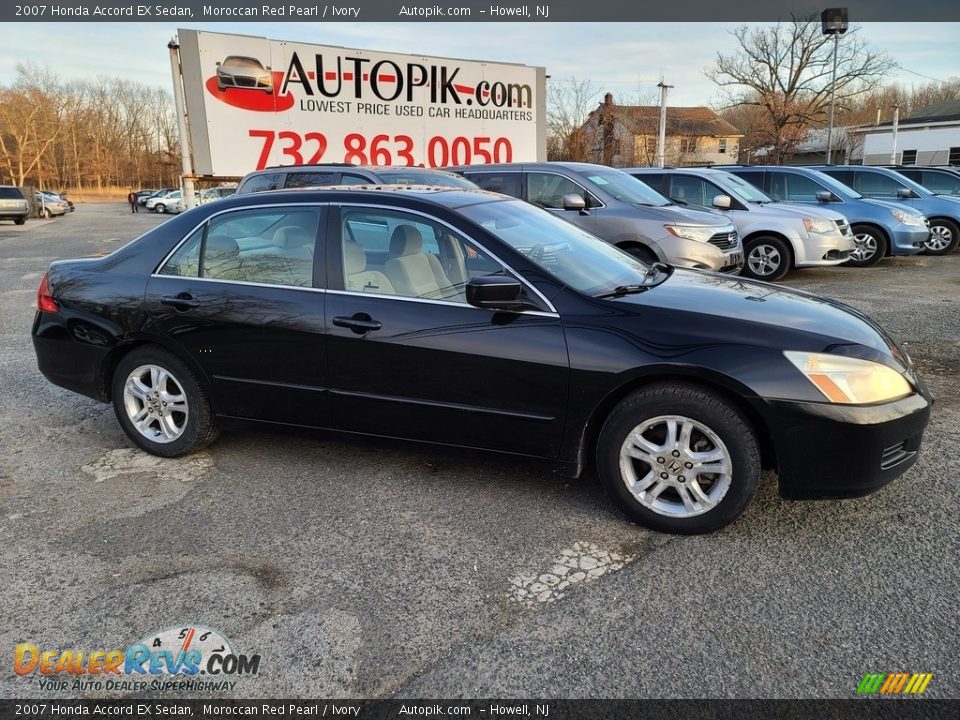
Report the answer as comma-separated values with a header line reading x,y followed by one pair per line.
x,y
569,103
786,71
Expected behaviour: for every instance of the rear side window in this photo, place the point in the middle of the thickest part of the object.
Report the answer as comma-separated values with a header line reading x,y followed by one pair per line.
x,y
658,181
309,179
259,183
754,177
506,183
10,193
270,246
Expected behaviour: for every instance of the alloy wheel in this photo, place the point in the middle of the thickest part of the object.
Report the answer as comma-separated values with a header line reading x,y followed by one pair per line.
x,y
675,466
155,403
865,247
764,260
940,238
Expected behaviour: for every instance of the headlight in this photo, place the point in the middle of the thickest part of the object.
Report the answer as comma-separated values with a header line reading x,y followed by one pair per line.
x,y
850,381
697,233
908,218
819,225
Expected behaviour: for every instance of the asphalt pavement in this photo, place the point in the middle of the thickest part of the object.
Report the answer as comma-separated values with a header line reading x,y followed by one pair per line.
x,y
357,569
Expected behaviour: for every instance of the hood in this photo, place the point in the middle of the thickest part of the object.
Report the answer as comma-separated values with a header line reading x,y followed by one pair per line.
x,y
891,204
779,317
684,215
778,208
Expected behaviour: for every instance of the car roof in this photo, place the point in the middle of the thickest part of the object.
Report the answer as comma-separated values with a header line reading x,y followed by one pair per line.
x,y
447,197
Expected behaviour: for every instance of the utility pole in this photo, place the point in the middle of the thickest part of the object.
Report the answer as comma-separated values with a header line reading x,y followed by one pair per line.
x,y
896,126
662,130
835,23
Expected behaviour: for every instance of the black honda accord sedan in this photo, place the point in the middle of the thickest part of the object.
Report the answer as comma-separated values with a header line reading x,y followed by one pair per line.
x,y
475,320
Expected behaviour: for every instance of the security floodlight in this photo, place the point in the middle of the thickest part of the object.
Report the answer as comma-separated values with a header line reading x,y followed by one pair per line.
x,y
834,21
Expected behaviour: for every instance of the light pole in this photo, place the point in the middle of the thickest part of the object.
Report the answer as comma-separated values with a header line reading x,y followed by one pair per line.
x,y
834,21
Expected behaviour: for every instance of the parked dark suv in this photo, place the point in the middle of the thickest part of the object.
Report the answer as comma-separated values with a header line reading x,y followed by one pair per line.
x,y
327,175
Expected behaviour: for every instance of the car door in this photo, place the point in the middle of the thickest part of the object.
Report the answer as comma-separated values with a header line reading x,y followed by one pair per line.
x,y
239,297
878,186
409,358
546,190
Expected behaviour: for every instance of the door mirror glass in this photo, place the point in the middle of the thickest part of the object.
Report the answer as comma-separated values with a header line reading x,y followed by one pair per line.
x,y
574,201
722,202
496,292
825,196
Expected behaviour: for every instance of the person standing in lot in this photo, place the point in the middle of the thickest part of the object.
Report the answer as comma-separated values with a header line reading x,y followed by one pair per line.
x,y
132,199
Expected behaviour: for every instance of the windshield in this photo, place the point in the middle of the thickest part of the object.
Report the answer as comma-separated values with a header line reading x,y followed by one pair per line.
x,y
740,188
573,256
626,188
442,179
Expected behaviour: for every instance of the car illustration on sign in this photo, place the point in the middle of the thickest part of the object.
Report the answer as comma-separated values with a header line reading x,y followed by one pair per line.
x,y
244,73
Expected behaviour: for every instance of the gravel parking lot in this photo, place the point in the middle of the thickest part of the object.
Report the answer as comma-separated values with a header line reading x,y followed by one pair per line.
x,y
361,570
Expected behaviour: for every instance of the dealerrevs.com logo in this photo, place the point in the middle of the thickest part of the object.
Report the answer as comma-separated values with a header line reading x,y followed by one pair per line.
x,y
894,683
190,658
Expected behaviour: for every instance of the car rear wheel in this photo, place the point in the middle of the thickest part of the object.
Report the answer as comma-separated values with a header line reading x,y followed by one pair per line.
x,y
870,246
46,213
767,258
161,404
160,208
680,459
944,237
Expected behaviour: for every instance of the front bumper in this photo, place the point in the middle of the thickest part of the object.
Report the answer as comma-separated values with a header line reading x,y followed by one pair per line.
x,y
842,451
825,249
908,239
698,255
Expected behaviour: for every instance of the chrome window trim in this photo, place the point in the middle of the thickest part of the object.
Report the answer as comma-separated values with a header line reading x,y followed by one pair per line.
x,y
431,301
157,274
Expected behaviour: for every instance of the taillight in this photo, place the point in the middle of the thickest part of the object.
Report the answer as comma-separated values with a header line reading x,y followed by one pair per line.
x,y
45,301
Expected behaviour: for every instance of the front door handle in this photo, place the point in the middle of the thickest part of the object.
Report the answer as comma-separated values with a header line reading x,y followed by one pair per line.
x,y
183,301
360,323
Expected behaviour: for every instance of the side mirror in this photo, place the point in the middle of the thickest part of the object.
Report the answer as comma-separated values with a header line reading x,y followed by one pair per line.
x,y
825,196
722,202
218,63
267,68
496,292
573,201
905,194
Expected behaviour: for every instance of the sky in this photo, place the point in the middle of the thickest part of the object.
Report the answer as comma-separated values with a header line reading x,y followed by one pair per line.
x,y
623,58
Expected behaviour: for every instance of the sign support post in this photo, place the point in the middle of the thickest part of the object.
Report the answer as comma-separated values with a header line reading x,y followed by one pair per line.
x,y
186,163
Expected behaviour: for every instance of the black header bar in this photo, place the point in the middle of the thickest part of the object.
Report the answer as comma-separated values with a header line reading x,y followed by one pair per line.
x,y
185,12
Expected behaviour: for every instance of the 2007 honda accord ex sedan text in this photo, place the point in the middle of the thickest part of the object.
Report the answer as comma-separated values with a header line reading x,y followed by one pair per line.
x,y
475,320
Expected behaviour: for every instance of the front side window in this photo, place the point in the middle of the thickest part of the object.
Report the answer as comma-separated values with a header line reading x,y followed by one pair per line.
x,y
794,187
546,190
351,179
270,246
876,185
689,189
389,252
259,183
941,183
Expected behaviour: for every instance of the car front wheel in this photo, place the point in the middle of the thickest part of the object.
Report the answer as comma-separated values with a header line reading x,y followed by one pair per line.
x,y
869,247
944,237
680,459
767,258
160,208
161,404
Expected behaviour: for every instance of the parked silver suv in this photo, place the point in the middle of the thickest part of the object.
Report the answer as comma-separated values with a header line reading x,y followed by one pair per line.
x,y
776,236
620,209
13,206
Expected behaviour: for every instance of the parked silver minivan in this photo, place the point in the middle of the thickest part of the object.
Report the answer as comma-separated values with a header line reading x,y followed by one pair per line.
x,y
620,209
776,236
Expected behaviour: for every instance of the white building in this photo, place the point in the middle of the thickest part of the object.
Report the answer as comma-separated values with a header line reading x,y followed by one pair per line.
x,y
930,136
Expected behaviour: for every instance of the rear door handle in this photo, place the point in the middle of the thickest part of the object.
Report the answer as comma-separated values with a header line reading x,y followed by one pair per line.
x,y
183,301
360,323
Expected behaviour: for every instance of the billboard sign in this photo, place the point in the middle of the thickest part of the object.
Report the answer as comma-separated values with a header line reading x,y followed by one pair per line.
x,y
254,103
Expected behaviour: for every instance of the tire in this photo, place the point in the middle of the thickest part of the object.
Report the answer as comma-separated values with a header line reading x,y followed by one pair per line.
x,y
19,220
716,426
163,432
47,214
642,253
871,247
160,208
944,237
766,258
